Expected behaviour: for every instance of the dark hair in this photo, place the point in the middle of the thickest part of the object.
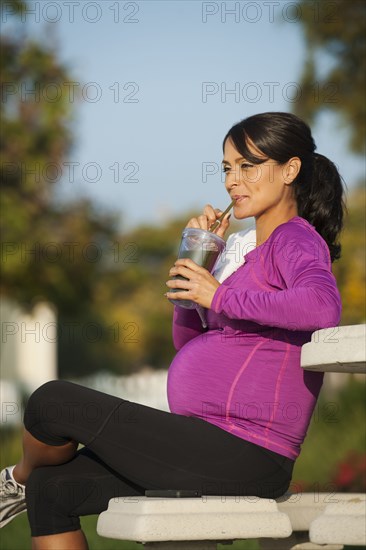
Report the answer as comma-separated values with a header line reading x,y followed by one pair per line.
x,y
318,187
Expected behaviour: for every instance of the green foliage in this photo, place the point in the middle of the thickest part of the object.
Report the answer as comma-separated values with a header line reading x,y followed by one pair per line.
x,y
107,288
17,5
130,312
39,239
338,30
337,426
48,252
350,269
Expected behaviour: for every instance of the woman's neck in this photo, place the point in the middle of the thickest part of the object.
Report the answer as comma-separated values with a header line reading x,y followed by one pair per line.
x,y
266,224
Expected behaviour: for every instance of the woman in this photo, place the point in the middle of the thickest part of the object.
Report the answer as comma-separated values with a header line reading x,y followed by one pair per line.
x,y
240,402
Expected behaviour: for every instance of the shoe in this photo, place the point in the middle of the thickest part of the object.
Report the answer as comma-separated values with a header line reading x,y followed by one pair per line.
x,y
12,497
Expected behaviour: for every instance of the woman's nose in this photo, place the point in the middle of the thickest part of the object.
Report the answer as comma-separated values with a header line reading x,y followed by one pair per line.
x,y
231,180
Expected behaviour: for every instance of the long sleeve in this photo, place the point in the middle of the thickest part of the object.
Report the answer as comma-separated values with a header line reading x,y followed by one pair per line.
x,y
268,303
309,299
186,326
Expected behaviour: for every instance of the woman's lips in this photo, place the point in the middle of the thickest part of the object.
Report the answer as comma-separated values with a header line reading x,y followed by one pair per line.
x,y
240,198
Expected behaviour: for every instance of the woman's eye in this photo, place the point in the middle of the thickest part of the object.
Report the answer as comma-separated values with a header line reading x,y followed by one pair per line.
x,y
244,166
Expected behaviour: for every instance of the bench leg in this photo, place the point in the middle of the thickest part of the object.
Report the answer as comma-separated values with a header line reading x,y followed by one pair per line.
x,y
182,545
299,540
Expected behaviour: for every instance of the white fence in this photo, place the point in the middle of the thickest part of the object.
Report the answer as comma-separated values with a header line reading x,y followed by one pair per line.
x,y
147,387
28,356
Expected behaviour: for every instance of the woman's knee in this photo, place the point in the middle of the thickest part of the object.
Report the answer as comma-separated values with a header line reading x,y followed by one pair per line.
x,y
45,406
54,390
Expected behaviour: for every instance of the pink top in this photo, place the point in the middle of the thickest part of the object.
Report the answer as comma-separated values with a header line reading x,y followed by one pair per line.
x,y
243,373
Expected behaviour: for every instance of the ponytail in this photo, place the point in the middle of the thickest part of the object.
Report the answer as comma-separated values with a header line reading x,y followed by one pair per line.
x,y
319,195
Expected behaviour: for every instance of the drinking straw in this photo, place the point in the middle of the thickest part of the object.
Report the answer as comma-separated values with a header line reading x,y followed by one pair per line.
x,y
216,224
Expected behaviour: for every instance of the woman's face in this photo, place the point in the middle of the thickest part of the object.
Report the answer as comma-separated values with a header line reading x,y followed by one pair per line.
x,y
257,188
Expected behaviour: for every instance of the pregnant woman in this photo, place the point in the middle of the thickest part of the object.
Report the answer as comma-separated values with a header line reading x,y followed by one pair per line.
x,y
240,404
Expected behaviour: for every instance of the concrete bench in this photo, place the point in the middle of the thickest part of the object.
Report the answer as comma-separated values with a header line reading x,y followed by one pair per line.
x,y
309,512
284,524
197,523
336,349
343,521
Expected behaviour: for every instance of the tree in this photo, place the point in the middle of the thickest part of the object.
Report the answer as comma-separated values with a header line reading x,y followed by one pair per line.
x,y
107,287
351,268
36,137
48,252
336,29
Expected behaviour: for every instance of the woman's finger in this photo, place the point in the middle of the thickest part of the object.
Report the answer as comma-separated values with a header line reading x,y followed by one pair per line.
x,y
178,295
182,271
210,214
190,264
205,220
224,226
193,222
181,283
202,220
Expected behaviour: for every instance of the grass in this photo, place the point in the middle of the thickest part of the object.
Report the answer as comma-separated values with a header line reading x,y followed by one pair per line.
x,y
337,426
16,536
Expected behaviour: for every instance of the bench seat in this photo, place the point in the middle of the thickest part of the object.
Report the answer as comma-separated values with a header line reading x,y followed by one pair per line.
x,y
341,522
303,508
147,519
336,349
202,522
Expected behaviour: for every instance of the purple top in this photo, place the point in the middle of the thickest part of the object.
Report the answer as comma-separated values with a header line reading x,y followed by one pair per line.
x,y
243,374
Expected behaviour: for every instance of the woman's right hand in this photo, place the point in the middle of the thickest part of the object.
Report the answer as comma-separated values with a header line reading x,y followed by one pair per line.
x,y
209,216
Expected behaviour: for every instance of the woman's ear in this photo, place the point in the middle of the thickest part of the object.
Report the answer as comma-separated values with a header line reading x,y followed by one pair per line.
x,y
291,170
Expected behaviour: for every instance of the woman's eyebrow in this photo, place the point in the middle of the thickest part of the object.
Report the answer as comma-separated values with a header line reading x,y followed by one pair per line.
x,y
236,160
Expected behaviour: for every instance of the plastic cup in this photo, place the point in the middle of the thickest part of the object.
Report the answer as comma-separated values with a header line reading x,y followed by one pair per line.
x,y
204,248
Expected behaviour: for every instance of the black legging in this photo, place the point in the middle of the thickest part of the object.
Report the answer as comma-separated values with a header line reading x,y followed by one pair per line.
x,y
130,448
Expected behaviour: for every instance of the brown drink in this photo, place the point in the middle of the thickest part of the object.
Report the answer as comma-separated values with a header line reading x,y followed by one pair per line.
x,y
204,248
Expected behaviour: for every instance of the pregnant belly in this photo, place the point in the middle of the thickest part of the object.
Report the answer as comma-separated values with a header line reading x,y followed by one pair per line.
x,y
209,371
252,387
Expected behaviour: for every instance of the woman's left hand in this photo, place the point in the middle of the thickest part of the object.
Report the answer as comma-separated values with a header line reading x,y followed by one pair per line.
x,y
200,286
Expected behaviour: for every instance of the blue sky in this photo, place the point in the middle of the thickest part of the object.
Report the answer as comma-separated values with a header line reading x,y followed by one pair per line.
x,y
156,79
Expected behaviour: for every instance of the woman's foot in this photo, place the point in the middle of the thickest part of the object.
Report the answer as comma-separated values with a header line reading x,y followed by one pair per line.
x,y
12,497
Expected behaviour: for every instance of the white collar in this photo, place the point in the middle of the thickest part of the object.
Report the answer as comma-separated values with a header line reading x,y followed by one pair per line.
x,y
237,245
